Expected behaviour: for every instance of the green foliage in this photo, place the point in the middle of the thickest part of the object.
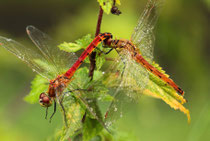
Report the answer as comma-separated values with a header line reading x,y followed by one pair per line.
x,y
107,5
69,47
91,128
118,2
99,90
38,85
100,60
79,44
74,115
186,43
82,100
159,89
82,43
84,95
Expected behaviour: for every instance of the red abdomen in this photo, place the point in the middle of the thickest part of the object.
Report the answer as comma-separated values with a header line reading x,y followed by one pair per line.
x,y
87,51
156,72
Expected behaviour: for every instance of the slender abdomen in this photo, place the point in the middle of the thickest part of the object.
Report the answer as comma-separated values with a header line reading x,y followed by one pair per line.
x,y
87,51
156,72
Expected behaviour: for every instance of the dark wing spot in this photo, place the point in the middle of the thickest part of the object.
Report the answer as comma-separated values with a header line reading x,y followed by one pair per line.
x,y
150,69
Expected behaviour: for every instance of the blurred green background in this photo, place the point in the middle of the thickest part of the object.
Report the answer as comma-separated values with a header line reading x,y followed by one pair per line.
x,y
181,48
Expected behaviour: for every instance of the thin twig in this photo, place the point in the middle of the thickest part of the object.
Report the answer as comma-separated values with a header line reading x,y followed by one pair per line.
x,y
114,1
92,57
98,27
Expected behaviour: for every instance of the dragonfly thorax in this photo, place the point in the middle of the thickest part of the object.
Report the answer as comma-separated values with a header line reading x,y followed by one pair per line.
x,y
55,89
57,86
124,44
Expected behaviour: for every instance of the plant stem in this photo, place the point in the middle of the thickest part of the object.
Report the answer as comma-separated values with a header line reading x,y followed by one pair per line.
x,y
114,1
92,57
98,27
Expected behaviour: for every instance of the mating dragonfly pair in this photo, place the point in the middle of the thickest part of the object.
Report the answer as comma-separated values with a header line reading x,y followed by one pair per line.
x,y
132,66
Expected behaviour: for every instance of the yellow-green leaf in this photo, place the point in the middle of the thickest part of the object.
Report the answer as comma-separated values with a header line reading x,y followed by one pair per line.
x,y
118,2
38,85
69,47
106,5
159,89
81,43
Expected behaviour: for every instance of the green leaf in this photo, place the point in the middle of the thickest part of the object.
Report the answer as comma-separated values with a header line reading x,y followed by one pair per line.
x,y
155,87
91,107
100,60
82,78
84,98
99,90
91,128
159,89
74,115
100,56
39,85
74,47
69,47
106,5
84,41
87,60
118,2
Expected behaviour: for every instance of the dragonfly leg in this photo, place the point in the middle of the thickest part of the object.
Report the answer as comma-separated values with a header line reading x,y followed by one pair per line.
x,y
67,93
64,112
46,113
109,51
103,51
88,89
53,111
60,101
84,117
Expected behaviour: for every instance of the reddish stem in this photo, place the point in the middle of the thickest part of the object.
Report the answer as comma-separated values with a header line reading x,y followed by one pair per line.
x,y
92,57
98,28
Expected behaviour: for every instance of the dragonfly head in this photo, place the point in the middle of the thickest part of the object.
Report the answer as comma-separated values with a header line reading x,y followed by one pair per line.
x,y
45,100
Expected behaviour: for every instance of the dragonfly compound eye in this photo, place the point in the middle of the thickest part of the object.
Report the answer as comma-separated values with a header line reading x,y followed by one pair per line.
x,y
45,100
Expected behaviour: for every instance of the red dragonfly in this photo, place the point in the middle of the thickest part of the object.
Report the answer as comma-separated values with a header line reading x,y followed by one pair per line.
x,y
134,63
57,60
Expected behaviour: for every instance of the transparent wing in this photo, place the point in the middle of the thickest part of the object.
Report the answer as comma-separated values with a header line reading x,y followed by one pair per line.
x,y
91,107
60,61
143,36
126,80
30,55
88,94
45,59
74,114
